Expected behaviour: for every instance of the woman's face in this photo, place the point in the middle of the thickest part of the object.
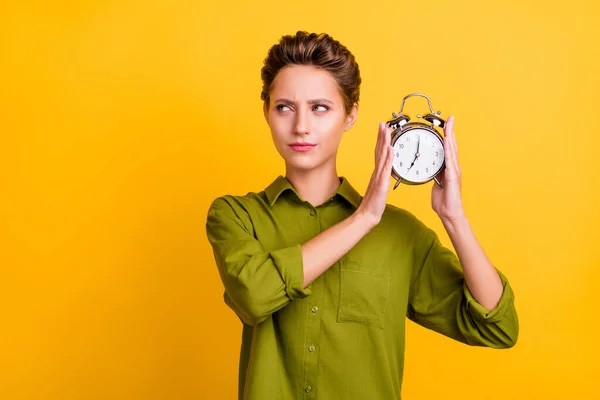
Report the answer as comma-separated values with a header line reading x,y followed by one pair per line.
x,y
306,106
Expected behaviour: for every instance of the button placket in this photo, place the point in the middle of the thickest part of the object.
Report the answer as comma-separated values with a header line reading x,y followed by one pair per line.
x,y
311,355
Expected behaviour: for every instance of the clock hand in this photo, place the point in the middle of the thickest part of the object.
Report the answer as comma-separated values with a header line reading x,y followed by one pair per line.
x,y
418,143
411,165
416,154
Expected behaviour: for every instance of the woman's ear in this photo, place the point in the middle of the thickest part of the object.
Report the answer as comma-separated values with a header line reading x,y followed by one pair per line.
x,y
351,118
266,111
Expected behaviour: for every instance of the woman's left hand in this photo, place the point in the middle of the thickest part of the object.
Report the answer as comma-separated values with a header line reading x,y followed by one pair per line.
x,y
447,201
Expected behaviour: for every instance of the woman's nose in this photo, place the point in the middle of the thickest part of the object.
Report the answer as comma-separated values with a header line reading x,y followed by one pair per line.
x,y
301,126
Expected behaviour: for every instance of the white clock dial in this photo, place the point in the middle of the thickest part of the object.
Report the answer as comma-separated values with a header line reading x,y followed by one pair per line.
x,y
418,155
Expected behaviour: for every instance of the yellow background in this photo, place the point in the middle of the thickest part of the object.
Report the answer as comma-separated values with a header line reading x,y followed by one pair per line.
x,y
121,120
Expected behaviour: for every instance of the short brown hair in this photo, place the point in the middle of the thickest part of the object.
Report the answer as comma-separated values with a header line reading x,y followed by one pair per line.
x,y
319,50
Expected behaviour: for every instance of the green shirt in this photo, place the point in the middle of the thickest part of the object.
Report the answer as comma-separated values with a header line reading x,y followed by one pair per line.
x,y
341,337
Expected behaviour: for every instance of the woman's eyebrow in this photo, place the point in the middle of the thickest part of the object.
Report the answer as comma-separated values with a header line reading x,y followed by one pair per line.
x,y
314,101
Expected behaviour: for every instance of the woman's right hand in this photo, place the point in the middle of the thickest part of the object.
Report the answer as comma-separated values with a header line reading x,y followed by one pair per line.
x,y
375,198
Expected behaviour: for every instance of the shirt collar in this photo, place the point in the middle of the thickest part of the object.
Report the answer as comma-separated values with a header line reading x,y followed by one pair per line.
x,y
281,183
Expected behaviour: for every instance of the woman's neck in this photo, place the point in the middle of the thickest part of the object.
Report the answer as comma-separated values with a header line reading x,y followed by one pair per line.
x,y
314,186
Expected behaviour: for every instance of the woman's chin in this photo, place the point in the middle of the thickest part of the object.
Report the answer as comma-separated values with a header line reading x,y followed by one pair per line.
x,y
301,163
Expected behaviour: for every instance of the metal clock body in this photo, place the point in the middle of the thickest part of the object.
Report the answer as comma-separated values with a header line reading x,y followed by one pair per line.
x,y
418,147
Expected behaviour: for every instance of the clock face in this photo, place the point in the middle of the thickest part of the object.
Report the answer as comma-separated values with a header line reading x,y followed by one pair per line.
x,y
418,155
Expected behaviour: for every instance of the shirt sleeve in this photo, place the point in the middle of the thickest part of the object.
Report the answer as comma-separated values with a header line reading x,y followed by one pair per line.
x,y
257,282
440,300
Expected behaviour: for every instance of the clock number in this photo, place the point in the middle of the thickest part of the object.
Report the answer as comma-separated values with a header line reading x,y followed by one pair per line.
x,y
397,154
437,154
417,172
400,163
434,163
408,138
401,145
427,169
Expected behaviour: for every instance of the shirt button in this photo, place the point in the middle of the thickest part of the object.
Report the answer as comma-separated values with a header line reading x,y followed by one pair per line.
x,y
312,213
307,389
314,309
311,348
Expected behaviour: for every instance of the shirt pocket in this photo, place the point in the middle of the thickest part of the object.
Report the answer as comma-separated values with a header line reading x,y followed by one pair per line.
x,y
364,292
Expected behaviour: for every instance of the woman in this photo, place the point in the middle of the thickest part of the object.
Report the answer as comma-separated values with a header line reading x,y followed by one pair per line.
x,y
322,277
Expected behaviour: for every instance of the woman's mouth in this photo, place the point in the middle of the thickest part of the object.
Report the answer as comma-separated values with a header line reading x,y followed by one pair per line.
x,y
302,147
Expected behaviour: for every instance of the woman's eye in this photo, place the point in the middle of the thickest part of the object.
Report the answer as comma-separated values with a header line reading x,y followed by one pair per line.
x,y
283,107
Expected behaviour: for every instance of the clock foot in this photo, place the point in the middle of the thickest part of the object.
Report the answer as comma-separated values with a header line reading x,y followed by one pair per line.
x,y
440,184
397,183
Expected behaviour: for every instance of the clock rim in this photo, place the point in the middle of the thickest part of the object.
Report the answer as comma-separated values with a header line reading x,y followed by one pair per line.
x,y
399,132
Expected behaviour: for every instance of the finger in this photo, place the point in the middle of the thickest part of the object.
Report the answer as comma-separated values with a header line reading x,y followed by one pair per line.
x,y
449,126
454,147
450,146
455,155
377,151
383,171
376,143
379,139
388,143
447,144
380,147
390,161
448,161
387,149
450,169
382,159
387,169
384,134
388,135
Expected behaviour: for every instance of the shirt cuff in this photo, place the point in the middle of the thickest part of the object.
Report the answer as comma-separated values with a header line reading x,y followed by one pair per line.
x,y
289,263
481,313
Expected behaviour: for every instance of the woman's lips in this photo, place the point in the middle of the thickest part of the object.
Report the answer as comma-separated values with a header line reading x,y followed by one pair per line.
x,y
302,147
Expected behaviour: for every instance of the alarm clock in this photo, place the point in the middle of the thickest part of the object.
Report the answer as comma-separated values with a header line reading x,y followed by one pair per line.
x,y
418,146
